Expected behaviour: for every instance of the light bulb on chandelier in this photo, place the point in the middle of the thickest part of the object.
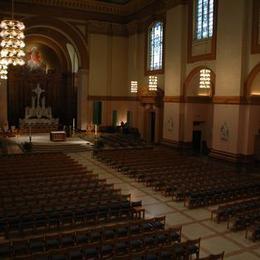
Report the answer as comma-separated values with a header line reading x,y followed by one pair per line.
x,y
12,43
3,72
205,78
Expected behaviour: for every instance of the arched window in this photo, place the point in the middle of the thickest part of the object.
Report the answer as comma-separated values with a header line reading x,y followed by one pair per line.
x,y
204,18
155,47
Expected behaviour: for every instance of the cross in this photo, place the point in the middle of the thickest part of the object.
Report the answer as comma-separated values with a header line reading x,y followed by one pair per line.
x,y
38,91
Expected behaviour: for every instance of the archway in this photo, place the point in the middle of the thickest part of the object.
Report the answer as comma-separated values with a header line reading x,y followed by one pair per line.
x,y
49,38
62,32
198,109
252,83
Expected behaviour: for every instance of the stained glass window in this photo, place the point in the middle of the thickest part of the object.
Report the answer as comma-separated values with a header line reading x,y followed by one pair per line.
x,y
155,46
204,18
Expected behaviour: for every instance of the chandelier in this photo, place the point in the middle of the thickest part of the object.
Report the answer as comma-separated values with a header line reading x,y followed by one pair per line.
x,y
12,43
3,72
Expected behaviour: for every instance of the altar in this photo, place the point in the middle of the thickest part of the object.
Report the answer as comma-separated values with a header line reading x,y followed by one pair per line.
x,y
38,117
57,136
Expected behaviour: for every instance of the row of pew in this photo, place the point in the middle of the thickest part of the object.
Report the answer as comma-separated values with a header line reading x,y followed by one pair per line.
x,y
240,215
122,141
196,182
53,208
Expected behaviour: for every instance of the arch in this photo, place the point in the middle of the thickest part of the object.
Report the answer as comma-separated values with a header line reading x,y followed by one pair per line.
x,y
73,58
65,62
250,79
198,112
52,36
193,73
47,24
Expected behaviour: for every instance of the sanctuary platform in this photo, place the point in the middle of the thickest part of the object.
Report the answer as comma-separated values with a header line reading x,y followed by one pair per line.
x,y
41,143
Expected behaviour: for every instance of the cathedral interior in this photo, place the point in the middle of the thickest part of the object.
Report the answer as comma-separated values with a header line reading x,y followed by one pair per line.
x,y
130,129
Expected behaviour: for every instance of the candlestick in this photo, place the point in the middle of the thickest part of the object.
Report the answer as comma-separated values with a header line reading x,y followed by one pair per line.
x,y
73,126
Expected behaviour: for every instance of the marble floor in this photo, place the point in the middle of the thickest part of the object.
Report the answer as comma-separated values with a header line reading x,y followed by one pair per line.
x,y
195,222
45,140
41,143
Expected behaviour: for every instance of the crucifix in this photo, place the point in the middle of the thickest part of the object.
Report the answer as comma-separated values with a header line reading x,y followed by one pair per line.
x,y
38,91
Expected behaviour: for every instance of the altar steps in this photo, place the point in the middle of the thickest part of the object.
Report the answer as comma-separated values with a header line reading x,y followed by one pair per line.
x,y
64,148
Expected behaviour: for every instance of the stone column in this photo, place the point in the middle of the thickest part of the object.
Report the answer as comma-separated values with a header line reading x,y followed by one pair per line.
x,y
3,103
82,99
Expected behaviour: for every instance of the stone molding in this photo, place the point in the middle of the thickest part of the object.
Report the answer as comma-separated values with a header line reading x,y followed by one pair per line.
x,y
94,6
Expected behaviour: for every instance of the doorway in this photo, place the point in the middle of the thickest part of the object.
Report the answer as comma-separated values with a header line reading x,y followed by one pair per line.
x,y
196,141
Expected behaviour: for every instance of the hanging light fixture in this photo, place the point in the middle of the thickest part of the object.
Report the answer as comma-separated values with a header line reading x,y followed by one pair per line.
x,y
134,86
205,78
12,43
3,72
152,83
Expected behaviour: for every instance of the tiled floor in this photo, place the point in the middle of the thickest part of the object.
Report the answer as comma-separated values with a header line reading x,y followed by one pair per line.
x,y
45,139
196,222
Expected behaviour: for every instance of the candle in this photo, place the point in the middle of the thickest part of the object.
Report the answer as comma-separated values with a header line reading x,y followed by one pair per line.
x,y
73,126
95,130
